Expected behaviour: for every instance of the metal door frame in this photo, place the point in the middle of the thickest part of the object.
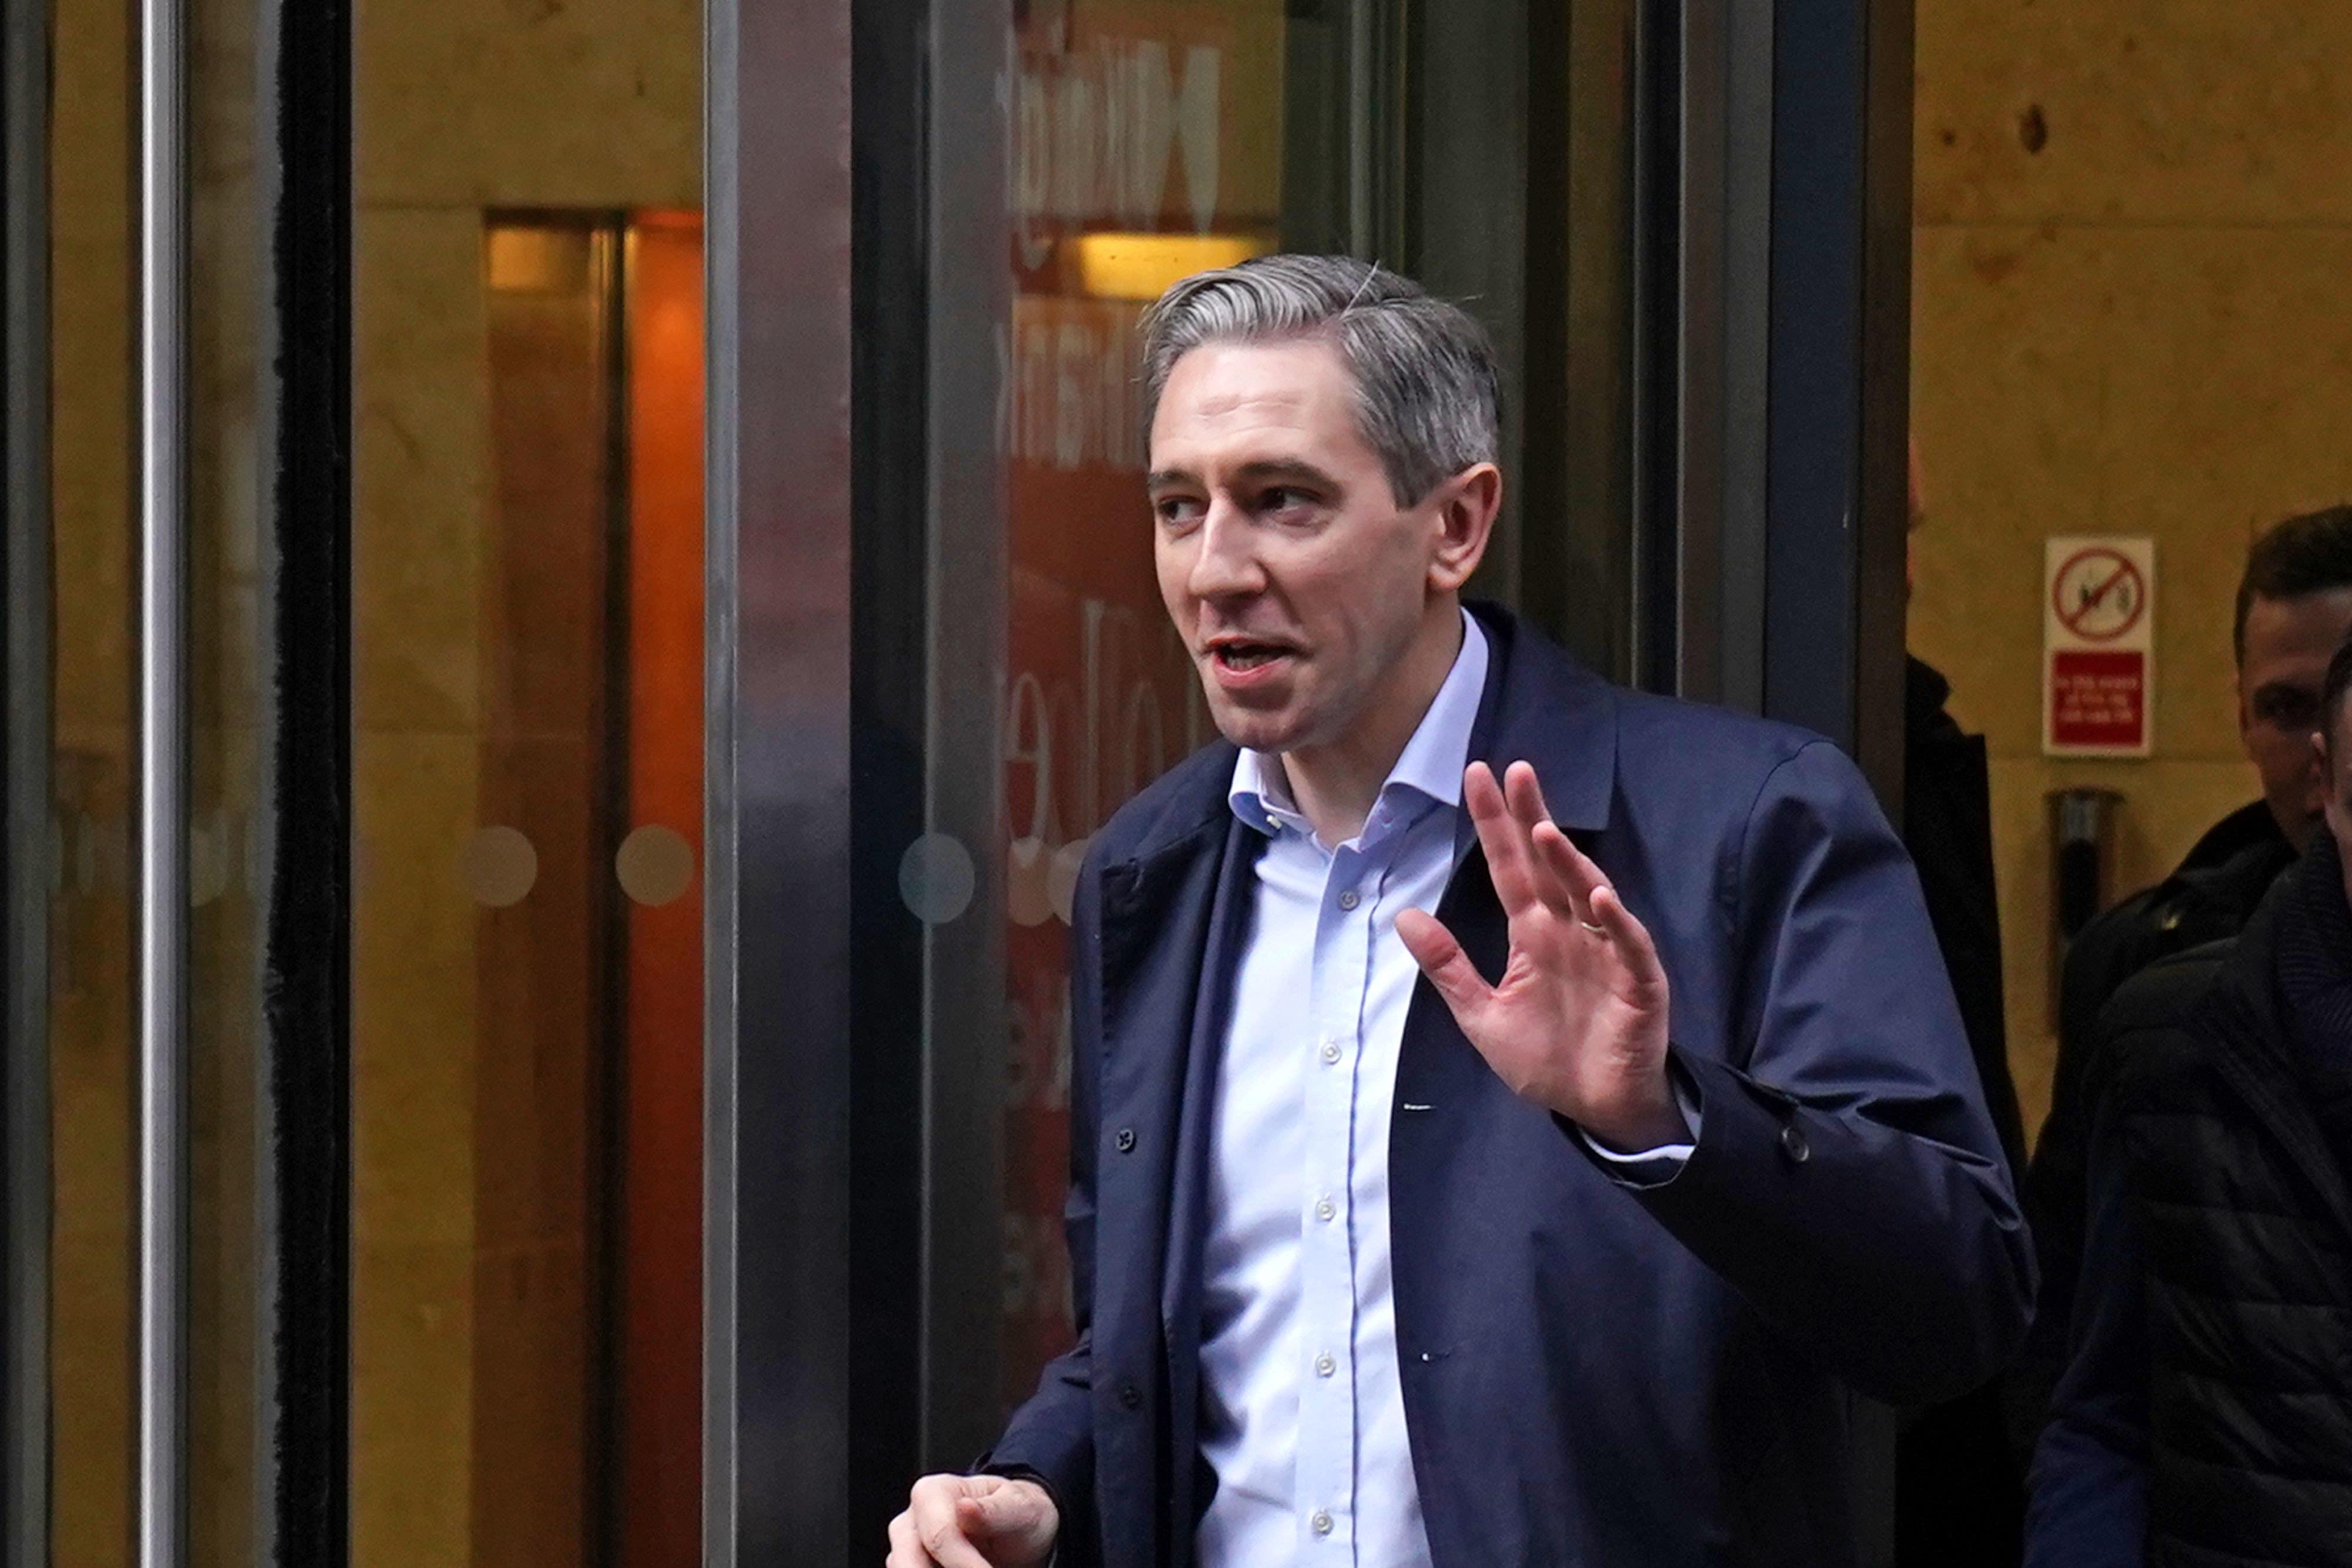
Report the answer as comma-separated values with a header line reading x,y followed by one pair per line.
x,y
777,1278
1773,386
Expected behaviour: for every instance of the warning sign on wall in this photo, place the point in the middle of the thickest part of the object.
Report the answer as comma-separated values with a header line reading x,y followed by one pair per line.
x,y
2098,614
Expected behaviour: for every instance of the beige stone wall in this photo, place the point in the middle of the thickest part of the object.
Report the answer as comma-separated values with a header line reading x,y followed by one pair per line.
x,y
2134,233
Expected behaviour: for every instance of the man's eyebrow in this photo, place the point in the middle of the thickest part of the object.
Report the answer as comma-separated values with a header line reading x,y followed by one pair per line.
x,y
1280,469
1272,470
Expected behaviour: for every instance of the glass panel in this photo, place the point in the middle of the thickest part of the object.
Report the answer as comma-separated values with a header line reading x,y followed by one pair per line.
x,y
92,318
91,606
1145,139
1150,141
526,711
527,721
231,718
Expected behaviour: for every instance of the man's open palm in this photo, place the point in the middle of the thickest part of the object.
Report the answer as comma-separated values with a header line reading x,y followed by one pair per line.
x,y
1577,1022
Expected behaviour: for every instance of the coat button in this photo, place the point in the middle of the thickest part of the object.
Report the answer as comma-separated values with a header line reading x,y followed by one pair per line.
x,y
1126,1140
1793,1144
1130,1397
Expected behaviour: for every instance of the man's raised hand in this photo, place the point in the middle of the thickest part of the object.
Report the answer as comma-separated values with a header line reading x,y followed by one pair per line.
x,y
1577,1022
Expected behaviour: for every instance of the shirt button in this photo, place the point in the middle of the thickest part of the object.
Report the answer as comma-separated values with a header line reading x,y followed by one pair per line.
x,y
1321,1521
1349,899
1126,1140
1327,1209
1130,1397
1331,1051
1324,1365
1793,1144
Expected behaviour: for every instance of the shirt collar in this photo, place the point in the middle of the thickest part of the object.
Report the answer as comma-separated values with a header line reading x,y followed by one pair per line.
x,y
1431,765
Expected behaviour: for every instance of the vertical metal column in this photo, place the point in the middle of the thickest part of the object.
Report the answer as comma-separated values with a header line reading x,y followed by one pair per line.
x,y
777,862
163,773
25,856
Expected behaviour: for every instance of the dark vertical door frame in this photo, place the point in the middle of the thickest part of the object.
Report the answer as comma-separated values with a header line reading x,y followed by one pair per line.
x,y
1771,384
777,1198
1772,375
25,786
1772,364
1839,367
306,164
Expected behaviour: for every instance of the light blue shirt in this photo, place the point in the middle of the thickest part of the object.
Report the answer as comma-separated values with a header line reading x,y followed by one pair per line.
x,y
1302,1412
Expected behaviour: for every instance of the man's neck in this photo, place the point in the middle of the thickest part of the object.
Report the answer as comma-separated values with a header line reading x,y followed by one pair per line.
x,y
1336,785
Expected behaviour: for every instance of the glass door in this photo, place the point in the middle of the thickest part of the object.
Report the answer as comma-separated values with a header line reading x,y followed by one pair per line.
x,y
354,619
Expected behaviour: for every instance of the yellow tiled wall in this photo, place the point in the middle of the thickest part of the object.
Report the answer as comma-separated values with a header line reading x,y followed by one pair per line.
x,y
2131,315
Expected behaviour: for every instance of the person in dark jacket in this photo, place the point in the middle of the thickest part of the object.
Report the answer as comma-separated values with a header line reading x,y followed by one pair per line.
x,y
1959,1492
2294,605
2206,1415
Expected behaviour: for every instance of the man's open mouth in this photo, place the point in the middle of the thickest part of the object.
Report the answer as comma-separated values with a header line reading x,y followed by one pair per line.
x,y
1240,655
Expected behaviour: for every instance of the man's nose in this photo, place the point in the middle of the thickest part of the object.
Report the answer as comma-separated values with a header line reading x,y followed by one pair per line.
x,y
1226,563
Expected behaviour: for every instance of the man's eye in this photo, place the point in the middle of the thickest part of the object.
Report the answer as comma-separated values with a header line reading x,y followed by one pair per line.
x,y
1177,511
2284,707
1282,498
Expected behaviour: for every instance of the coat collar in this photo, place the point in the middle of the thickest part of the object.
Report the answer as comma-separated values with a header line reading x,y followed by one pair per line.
x,y
1540,705
1543,708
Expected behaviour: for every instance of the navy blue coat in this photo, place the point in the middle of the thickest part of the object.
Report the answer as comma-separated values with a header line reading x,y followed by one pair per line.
x,y
1592,1374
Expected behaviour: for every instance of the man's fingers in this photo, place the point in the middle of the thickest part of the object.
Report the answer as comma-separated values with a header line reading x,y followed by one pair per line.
x,y
1510,860
950,1548
906,1551
1449,968
937,1518
1566,877
1523,792
1630,938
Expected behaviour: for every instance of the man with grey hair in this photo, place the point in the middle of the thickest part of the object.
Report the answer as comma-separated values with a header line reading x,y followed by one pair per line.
x,y
1512,1117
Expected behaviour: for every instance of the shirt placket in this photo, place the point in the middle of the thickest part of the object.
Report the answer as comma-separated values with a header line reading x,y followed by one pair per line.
x,y
1326,1405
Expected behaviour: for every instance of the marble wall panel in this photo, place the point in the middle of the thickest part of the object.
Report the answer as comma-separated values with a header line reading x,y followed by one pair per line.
x,y
551,103
2009,384
2154,110
421,483
413,1358
414,1003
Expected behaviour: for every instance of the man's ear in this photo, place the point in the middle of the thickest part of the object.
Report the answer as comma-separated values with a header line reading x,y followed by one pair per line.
x,y
1466,507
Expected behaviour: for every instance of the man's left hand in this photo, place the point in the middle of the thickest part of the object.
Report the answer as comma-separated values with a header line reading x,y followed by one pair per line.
x,y
1578,1023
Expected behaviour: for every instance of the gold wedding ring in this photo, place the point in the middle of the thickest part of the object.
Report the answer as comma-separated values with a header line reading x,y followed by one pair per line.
x,y
1596,930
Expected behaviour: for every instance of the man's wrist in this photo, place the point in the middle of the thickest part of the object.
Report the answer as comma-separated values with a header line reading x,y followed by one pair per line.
x,y
1659,1121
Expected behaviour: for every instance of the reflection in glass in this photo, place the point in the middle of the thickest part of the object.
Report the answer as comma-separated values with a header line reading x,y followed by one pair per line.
x,y
1148,142
527,981
91,608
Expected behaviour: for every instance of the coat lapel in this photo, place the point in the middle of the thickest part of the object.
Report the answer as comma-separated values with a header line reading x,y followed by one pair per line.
x,y
1540,706
1231,908
1172,924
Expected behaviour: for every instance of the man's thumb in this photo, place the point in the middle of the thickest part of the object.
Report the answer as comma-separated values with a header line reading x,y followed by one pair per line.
x,y
988,1514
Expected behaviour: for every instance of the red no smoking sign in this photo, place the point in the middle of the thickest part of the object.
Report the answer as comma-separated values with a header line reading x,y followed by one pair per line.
x,y
2098,646
2099,593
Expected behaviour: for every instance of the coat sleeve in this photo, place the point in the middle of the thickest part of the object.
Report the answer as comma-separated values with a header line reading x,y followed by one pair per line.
x,y
1050,1438
1847,1180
